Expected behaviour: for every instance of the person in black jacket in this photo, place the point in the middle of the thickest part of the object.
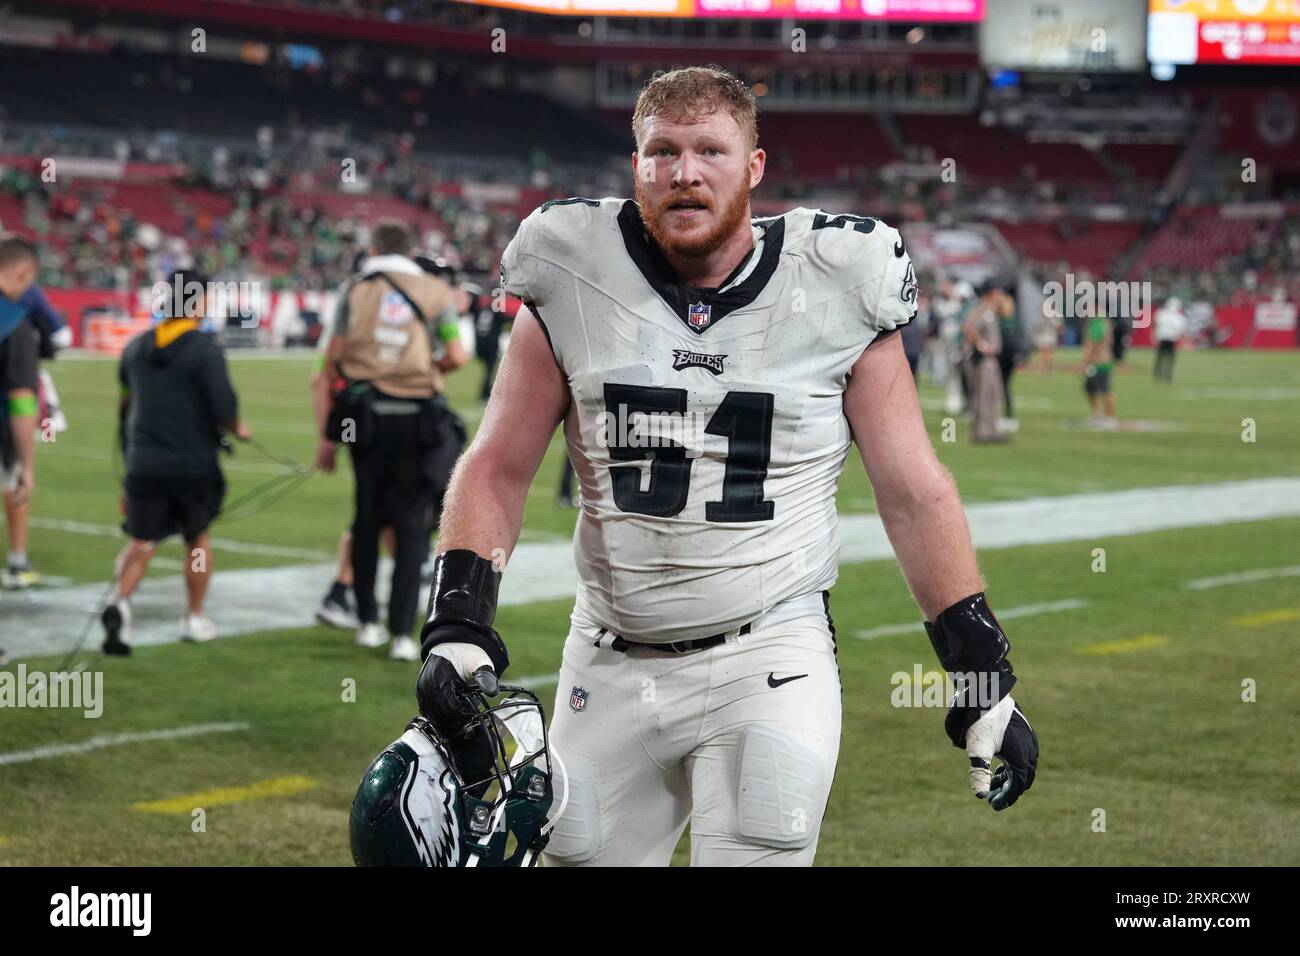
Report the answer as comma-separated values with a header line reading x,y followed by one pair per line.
x,y
176,401
488,324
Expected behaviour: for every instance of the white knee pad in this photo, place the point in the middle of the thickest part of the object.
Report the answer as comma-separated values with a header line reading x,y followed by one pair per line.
x,y
782,789
575,837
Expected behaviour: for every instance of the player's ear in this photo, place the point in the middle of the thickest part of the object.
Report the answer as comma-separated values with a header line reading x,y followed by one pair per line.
x,y
757,163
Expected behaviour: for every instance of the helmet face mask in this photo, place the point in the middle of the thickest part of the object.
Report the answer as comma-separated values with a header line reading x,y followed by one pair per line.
x,y
461,799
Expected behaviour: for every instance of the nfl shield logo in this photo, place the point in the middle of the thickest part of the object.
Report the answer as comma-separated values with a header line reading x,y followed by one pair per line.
x,y
394,309
578,699
699,315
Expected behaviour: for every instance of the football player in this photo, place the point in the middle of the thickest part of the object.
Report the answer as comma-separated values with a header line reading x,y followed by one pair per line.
x,y
710,371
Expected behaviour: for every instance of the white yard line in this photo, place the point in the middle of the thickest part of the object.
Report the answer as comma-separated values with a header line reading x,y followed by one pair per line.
x,y
1096,515
220,544
46,621
1263,394
116,740
1243,577
1004,614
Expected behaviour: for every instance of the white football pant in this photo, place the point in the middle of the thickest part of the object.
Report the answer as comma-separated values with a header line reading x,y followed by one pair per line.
x,y
739,740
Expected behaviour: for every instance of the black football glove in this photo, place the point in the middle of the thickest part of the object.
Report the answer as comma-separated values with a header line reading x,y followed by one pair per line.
x,y
451,705
1003,732
449,670
463,658
971,645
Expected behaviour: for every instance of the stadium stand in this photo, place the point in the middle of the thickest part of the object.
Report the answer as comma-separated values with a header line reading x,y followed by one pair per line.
x,y
237,164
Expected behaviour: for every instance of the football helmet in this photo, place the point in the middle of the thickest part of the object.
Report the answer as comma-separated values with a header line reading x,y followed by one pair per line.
x,y
459,799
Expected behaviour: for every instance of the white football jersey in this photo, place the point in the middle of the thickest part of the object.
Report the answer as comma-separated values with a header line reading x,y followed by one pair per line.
x,y
706,426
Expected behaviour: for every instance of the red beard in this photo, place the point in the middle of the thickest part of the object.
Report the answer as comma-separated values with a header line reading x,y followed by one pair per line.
x,y
734,212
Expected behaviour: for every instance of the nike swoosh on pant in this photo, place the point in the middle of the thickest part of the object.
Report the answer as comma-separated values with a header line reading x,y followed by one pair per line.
x,y
773,682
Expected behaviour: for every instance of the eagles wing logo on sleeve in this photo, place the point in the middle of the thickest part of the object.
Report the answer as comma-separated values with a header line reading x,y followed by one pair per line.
x,y
907,294
682,358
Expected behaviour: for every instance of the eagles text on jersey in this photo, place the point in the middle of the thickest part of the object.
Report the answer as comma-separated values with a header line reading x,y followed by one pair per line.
x,y
707,425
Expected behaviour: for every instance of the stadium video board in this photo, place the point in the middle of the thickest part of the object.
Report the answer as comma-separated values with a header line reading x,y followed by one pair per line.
x,y
915,10
1097,36
1259,32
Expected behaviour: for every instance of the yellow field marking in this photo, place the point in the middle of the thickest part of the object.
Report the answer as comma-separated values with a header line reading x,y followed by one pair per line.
x,y
3,841
927,677
1268,617
1140,643
277,787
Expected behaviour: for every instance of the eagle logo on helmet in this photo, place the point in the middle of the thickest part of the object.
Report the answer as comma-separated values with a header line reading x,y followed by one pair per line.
x,y
428,813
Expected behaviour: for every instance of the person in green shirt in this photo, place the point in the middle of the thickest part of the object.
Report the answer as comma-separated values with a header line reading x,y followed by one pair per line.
x,y
1098,363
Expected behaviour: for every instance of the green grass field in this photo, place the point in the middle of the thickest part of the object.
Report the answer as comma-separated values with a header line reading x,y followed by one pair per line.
x,y
1151,729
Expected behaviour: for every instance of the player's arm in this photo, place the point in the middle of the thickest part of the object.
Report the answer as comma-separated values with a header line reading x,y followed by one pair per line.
x,y
221,397
926,524
484,507
453,349
323,373
915,496
321,399
454,357
323,396
481,519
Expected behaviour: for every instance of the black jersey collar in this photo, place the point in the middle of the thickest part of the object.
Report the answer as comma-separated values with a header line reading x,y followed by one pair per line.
x,y
699,309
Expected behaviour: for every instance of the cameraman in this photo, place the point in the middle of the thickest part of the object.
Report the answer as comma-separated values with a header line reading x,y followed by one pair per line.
x,y
396,332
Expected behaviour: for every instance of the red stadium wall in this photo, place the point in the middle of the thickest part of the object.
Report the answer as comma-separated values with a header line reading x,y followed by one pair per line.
x,y
1236,322
1236,326
74,303
1240,320
105,319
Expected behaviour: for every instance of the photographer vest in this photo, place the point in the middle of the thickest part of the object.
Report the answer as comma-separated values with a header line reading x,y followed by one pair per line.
x,y
390,338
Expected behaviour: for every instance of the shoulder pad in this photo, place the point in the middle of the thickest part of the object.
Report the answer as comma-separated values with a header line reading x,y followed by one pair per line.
x,y
562,232
860,255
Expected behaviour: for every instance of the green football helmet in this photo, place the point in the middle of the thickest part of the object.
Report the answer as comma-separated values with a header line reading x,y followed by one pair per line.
x,y
461,799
